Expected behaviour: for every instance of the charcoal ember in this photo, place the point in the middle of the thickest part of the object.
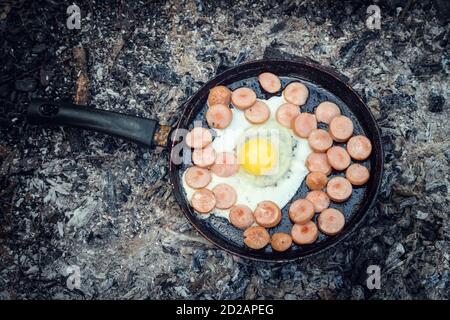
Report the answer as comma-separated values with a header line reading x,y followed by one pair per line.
x,y
25,85
436,102
161,73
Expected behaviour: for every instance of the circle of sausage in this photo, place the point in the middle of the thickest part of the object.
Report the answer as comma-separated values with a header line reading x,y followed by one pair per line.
x,y
304,233
243,98
301,211
326,111
318,162
225,196
338,158
204,157
219,116
198,138
303,124
316,180
296,93
257,113
226,164
319,199
286,113
267,214
241,216
197,178
357,174
331,221
341,128
359,147
281,241
269,82
320,140
256,237
203,200
219,95
339,189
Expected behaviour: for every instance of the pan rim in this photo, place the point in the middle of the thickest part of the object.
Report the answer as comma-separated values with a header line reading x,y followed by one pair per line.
x,y
379,166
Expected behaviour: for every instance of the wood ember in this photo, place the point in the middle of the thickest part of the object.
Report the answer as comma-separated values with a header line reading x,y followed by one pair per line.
x,y
82,83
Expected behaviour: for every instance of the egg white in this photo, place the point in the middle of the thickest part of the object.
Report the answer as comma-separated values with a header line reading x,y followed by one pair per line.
x,y
247,193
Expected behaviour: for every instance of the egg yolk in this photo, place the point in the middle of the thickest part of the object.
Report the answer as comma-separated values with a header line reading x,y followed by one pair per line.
x,y
257,156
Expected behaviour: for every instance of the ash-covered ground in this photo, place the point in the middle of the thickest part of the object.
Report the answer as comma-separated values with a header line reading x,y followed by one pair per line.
x,y
72,198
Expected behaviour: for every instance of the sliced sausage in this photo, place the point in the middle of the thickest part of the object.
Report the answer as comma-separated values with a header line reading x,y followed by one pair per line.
x,y
219,95
256,237
318,162
267,214
357,174
226,164
359,147
304,233
341,128
243,98
257,113
286,113
241,216
281,241
198,138
296,93
219,116
339,189
197,178
338,158
331,221
269,82
319,199
203,200
301,211
320,140
204,157
316,180
303,124
326,111
225,196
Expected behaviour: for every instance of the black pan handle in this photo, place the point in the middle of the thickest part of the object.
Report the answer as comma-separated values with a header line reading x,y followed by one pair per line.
x,y
137,129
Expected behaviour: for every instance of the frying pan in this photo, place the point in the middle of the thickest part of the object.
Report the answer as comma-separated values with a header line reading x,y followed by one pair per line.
x,y
323,84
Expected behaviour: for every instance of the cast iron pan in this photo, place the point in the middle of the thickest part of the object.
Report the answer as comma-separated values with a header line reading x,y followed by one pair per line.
x,y
323,84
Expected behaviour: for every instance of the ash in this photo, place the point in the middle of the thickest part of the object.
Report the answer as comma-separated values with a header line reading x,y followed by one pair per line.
x,y
76,199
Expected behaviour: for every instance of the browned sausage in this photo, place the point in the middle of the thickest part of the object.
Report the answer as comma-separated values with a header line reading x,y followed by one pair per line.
x,y
226,164
316,180
281,241
359,147
204,157
257,113
198,138
326,111
303,124
269,82
320,140
219,116
331,221
225,196
341,128
197,178
301,211
256,237
267,214
318,162
357,174
339,189
243,98
286,113
203,200
304,233
338,158
319,199
219,95
241,216
296,93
